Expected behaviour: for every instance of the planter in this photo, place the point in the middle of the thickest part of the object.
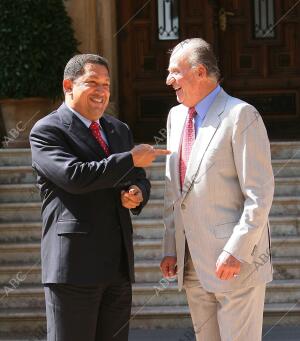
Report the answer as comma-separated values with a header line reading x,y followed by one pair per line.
x,y
19,116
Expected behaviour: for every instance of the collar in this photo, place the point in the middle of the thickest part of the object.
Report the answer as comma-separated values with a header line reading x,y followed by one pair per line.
x,y
203,106
83,119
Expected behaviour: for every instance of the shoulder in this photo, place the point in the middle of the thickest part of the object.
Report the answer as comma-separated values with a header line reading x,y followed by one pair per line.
x,y
50,121
236,105
238,109
177,109
116,122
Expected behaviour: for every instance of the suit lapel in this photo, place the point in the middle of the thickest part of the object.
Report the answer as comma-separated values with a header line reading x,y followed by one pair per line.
x,y
178,123
204,138
110,134
81,132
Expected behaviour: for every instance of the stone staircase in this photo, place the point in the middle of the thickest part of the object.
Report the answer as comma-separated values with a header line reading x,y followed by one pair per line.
x,y
156,302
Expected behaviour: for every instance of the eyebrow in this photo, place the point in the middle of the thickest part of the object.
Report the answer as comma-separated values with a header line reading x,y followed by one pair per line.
x,y
94,77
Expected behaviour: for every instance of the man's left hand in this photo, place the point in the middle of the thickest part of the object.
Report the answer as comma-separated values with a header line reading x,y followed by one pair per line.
x,y
131,198
227,266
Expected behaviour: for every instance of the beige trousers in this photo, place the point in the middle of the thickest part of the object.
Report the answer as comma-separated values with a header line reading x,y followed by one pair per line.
x,y
229,316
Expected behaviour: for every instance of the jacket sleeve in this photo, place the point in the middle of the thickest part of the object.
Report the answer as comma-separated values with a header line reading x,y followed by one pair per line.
x,y
141,181
53,158
252,157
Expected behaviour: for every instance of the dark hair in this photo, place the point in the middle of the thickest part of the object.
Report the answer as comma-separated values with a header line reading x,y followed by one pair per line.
x,y
200,53
75,66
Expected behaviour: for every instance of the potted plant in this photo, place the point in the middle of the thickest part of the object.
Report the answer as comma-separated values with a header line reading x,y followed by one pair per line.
x,y
36,41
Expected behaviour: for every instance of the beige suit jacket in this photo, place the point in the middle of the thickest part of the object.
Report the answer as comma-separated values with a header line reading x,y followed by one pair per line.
x,y
226,197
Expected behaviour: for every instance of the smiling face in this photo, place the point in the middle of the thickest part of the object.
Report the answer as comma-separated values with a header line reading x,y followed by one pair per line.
x,y
189,82
89,93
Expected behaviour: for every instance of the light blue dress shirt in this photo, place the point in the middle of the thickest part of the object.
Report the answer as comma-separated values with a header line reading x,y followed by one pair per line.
x,y
203,106
88,122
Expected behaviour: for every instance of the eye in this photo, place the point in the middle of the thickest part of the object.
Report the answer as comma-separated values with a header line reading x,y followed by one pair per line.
x,y
91,83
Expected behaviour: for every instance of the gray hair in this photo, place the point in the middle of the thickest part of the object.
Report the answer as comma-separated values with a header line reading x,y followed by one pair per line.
x,y
200,52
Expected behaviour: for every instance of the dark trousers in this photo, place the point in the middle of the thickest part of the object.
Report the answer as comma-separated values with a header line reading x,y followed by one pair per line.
x,y
89,313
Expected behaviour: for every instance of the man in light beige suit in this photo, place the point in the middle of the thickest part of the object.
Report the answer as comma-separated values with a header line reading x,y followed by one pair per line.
x,y
219,190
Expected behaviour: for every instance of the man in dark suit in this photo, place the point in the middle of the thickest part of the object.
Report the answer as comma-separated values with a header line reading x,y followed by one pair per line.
x,y
90,176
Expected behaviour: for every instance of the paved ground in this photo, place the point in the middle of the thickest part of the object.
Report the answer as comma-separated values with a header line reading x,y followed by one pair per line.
x,y
275,334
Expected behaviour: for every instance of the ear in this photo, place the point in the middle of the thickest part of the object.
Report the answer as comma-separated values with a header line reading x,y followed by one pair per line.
x,y
201,71
68,86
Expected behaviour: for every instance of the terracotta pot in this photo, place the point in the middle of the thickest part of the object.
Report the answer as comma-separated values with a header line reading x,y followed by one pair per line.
x,y
19,116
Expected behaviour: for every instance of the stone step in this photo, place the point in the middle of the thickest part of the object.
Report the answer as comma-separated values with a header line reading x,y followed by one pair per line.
x,y
19,193
15,157
20,212
154,228
16,275
19,253
30,211
286,167
284,186
21,174
285,205
285,225
281,168
142,229
145,249
25,296
156,171
17,175
287,186
288,246
166,293
20,232
171,316
279,150
285,150
145,270
30,323
284,268
151,294
147,228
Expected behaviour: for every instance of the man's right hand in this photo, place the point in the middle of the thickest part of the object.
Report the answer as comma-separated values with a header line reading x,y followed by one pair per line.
x,y
143,155
168,266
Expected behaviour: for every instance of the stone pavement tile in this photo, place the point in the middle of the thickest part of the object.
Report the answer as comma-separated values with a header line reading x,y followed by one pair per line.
x,y
276,334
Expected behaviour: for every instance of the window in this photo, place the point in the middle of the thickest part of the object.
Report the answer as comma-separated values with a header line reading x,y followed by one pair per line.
x,y
264,19
168,22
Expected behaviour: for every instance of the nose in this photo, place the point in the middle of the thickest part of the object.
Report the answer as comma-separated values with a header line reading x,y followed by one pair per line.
x,y
170,79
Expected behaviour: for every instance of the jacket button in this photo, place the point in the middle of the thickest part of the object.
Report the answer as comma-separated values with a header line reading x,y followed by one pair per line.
x,y
183,206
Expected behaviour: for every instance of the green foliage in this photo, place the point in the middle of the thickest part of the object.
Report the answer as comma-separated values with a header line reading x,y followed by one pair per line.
x,y
36,41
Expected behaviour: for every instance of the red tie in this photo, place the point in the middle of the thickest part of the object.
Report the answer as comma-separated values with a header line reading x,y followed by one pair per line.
x,y
188,140
95,128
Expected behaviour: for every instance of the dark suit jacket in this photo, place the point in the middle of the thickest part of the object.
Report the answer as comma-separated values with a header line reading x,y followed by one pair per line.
x,y
85,227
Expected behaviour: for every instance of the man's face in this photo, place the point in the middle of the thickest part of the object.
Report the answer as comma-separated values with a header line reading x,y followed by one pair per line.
x,y
184,79
89,93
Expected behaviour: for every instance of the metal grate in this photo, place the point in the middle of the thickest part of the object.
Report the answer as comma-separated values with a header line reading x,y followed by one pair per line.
x,y
168,21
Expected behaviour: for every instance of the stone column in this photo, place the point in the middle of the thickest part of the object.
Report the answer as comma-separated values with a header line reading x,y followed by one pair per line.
x,y
107,42
84,17
94,22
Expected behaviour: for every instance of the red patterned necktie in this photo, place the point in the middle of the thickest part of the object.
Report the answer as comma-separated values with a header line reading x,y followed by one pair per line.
x,y
188,140
95,128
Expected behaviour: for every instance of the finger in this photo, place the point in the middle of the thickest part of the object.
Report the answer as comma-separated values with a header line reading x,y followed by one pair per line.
x,y
133,191
220,274
161,152
134,200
